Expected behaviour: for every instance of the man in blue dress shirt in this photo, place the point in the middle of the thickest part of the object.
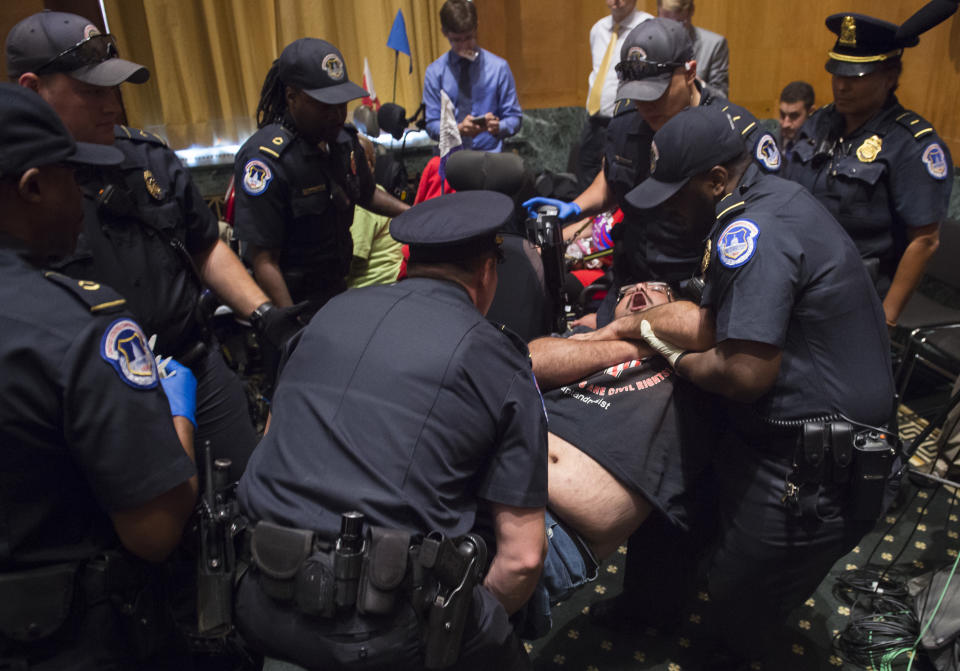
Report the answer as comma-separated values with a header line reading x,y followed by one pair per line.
x,y
479,84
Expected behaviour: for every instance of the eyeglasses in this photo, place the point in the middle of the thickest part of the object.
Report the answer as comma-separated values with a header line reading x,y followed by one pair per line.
x,y
632,69
91,51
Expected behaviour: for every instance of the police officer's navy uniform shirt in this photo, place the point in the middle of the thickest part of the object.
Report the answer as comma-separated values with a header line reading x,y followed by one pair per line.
x,y
84,426
404,403
892,174
648,248
130,243
298,198
782,272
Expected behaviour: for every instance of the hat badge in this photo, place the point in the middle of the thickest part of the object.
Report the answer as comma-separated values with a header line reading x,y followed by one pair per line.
x,y
654,157
333,66
636,54
848,32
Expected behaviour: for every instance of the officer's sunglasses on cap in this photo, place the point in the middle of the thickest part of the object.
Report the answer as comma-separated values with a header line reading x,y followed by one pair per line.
x,y
91,51
641,69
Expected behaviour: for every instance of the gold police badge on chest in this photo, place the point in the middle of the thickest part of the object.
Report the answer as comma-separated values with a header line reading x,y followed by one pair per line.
x,y
867,152
705,261
153,186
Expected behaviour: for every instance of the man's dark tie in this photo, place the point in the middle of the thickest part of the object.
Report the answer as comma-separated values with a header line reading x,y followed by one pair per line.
x,y
465,97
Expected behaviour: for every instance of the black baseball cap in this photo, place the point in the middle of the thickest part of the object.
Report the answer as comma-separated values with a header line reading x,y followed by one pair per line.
x,y
648,57
690,143
863,43
317,67
32,135
453,227
60,42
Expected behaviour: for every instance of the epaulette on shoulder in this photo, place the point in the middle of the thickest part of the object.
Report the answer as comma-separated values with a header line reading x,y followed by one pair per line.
x,y
624,106
100,299
729,206
915,124
137,135
273,140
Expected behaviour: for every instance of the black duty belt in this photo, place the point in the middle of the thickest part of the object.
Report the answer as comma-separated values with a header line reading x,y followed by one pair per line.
x,y
372,571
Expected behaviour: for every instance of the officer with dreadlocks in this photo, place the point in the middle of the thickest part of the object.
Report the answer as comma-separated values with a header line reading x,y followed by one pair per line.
x,y
300,175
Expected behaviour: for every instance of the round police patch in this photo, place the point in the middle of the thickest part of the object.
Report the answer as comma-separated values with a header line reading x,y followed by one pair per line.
x,y
737,243
936,161
125,348
333,66
767,153
256,177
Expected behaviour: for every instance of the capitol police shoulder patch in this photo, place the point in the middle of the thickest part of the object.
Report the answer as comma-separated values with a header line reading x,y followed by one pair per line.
x,y
936,161
767,153
124,347
737,243
256,177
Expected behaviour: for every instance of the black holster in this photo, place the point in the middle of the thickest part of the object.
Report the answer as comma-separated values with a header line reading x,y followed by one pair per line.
x,y
457,568
34,604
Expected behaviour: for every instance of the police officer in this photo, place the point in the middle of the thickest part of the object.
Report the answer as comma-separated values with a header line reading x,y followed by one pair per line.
x,y
300,175
880,169
147,231
658,78
790,336
403,403
91,457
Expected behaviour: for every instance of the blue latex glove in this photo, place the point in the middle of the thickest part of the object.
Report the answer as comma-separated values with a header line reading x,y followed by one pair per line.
x,y
567,211
180,386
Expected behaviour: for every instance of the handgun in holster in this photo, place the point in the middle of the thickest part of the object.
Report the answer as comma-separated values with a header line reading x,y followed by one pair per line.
x,y
457,568
217,562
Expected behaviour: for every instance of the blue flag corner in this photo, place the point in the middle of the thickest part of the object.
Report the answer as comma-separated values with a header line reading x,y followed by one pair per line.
x,y
398,37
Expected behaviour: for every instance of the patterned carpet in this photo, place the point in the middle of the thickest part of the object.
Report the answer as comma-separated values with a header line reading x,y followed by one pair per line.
x,y
919,534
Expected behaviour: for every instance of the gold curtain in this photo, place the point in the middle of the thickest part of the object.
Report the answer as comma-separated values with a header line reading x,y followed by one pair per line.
x,y
208,58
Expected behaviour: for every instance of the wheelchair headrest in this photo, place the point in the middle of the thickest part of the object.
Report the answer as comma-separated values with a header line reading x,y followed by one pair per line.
x,y
469,170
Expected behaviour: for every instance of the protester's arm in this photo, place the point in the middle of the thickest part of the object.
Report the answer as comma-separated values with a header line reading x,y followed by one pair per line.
x,y
521,549
559,361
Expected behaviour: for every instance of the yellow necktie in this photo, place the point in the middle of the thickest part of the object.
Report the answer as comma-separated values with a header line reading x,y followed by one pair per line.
x,y
593,100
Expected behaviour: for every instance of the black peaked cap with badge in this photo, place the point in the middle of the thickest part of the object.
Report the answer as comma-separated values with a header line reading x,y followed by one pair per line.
x,y
50,42
317,68
655,42
689,144
453,227
863,43
32,136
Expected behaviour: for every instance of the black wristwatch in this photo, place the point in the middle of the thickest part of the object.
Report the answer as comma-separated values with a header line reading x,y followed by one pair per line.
x,y
258,314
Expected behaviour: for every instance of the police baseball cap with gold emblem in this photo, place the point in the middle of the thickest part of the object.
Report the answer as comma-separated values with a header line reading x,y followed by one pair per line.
x,y
317,67
648,57
51,42
863,44
691,143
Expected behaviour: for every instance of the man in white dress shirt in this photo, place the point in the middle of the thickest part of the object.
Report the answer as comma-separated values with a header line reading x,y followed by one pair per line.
x,y
710,49
606,38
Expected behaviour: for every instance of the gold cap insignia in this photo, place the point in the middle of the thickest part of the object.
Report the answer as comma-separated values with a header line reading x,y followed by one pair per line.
x,y
867,152
848,32
705,261
153,186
